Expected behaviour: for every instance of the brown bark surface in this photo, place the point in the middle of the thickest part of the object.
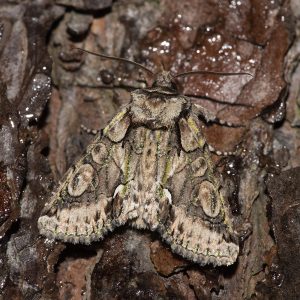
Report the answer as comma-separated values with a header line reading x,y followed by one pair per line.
x,y
48,90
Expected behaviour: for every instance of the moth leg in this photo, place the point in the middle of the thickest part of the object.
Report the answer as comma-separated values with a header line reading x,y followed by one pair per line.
x,y
212,118
89,130
218,152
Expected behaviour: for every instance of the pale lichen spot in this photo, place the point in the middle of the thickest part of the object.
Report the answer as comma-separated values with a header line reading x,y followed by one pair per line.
x,y
168,195
118,190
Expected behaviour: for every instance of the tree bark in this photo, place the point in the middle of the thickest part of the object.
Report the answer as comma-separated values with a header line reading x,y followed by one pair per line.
x,y
48,90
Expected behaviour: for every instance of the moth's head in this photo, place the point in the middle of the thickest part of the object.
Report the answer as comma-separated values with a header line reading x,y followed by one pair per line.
x,y
164,79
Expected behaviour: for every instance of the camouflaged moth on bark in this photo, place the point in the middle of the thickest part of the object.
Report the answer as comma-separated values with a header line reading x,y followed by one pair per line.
x,y
150,168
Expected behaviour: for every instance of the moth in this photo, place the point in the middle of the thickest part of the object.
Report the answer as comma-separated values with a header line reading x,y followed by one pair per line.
x,y
149,168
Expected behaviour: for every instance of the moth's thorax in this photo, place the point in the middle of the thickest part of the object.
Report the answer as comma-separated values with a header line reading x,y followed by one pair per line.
x,y
157,107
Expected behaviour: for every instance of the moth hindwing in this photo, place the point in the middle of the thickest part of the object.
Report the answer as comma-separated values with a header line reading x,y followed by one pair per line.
x,y
150,168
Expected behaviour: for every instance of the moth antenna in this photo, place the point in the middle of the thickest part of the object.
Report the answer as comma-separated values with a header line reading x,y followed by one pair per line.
x,y
117,58
211,73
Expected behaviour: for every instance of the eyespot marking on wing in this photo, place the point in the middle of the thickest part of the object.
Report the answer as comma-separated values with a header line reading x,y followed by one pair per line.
x,y
80,180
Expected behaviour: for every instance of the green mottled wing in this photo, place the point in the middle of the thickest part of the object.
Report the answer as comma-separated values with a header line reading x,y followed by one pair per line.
x,y
82,209
197,226
160,179
173,190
